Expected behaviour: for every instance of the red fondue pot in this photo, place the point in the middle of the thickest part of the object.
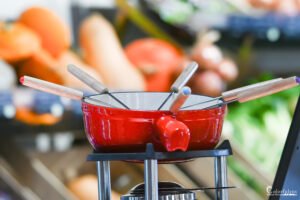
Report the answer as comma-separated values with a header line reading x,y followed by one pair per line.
x,y
115,129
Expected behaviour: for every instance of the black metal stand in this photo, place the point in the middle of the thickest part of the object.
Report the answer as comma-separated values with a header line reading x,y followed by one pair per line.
x,y
286,183
151,159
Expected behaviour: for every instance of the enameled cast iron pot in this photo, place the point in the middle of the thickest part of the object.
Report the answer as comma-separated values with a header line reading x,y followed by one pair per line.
x,y
114,129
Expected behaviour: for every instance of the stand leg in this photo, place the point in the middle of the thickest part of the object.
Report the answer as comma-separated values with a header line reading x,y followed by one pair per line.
x,y
221,177
151,180
103,171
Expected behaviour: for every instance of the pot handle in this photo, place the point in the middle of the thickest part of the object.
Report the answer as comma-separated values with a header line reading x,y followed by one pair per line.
x,y
173,134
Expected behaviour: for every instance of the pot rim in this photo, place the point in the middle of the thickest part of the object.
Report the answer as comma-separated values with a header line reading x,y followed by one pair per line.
x,y
84,102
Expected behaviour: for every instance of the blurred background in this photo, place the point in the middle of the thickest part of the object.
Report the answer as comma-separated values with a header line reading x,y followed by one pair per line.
x,y
141,45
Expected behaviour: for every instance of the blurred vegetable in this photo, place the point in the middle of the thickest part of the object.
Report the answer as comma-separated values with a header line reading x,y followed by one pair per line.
x,y
70,57
215,71
156,59
208,83
266,4
41,65
8,76
54,33
227,70
29,117
175,12
287,7
17,42
85,187
207,55
102,50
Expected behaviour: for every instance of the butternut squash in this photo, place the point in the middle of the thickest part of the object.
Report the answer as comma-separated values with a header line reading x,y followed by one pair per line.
x,y
41,65
69,57
102,50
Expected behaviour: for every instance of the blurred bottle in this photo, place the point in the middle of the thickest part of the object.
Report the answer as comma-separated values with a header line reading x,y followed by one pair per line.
x,y
7,108
48,103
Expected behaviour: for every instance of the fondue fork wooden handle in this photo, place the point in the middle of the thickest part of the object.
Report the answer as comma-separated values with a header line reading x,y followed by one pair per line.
x,y
268,89
184,93
182,79
51,88
233,94
93,83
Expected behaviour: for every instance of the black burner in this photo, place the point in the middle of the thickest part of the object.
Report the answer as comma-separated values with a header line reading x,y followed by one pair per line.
x,y
166,191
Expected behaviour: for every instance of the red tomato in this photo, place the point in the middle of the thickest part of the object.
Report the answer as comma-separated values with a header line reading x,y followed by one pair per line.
x,y
157,59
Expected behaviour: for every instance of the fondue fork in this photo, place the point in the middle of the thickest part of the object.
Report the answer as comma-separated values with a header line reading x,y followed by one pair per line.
x,y
51,88
93,83
232,94
262,91
269,89
182,79
56,89
182,96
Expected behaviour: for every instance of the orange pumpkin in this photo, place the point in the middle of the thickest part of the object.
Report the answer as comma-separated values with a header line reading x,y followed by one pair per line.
x,y
17,42
54,33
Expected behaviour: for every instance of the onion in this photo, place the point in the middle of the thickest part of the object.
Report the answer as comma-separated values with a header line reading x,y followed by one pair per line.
x,y
208,56
208,83
227,70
